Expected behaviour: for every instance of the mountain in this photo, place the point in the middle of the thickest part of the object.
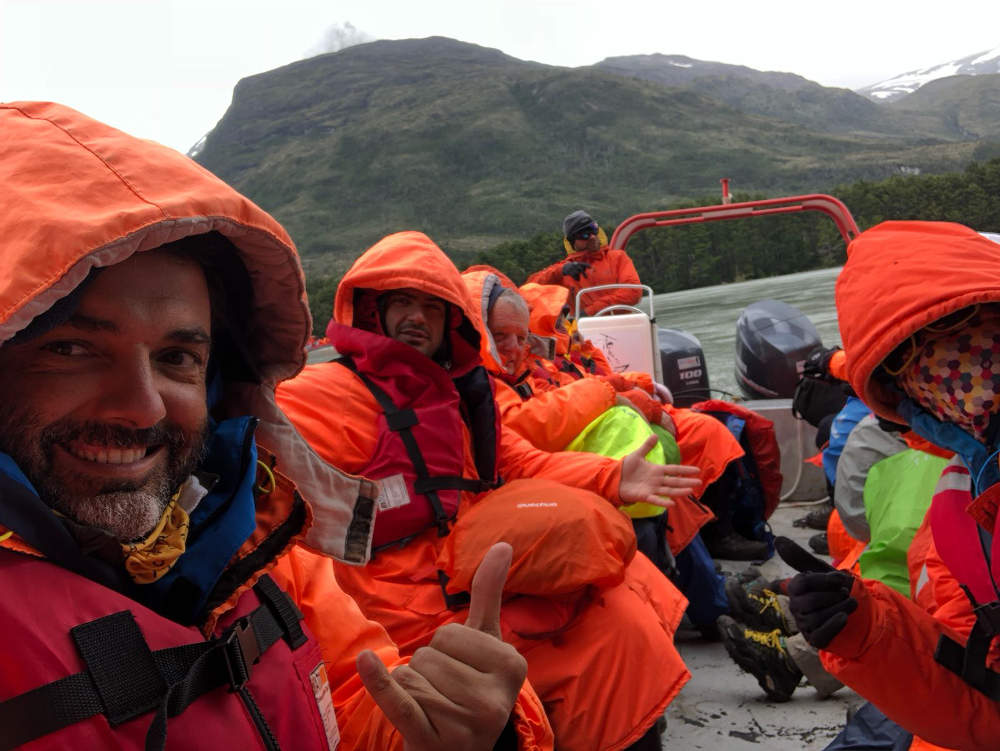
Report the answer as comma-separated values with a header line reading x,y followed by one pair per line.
x,y
476,147
785,96
679,70
982,63
963,106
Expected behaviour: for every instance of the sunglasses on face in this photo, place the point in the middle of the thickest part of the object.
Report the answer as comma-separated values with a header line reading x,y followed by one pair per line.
x,y
585,234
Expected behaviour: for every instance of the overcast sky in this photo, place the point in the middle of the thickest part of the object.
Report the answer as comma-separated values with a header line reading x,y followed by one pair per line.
x,y
165,69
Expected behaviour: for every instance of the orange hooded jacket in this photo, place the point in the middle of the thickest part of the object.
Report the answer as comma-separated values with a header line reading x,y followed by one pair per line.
x,y
77,194
401,589
555,416
607,266
937,268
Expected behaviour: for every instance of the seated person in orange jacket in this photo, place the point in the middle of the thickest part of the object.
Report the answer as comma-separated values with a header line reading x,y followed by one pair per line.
x,y
412,407
148,545
589,263
923,353
703,441
552,417
549,416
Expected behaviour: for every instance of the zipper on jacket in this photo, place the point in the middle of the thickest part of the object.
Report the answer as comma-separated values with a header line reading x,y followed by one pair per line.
x,y
699,504
263,729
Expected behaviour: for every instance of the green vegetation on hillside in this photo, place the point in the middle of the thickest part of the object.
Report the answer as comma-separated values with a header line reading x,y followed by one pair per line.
x,y
957,106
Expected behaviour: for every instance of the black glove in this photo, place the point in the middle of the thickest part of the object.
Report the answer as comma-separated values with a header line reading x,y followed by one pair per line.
x,y
820,597
818,362
820,604
575,269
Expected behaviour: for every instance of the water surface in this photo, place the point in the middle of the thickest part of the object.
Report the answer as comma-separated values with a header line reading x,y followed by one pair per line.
x,y
710,313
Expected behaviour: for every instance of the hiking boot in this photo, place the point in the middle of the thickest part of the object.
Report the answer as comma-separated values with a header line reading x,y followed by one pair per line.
x,y
749,575
762,654
734,547
708,631
817,518
820,544
653,738
758,609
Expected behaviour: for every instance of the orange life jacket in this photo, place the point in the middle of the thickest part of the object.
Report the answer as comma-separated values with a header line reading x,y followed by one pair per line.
x,y
421,475
100,670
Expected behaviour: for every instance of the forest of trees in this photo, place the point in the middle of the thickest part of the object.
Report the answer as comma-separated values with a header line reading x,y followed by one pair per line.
x,y
724,251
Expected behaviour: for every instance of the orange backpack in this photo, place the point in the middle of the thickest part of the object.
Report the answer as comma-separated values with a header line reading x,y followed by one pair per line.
x,y
564,539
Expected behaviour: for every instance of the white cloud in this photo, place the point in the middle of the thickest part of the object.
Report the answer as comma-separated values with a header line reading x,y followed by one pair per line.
x,y
338,37
165,69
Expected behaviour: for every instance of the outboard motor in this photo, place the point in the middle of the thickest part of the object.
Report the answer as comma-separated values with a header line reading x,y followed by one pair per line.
x,y
684,369
773,340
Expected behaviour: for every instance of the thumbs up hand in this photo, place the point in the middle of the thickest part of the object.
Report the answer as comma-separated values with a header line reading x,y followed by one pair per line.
x,y
819,597
456,693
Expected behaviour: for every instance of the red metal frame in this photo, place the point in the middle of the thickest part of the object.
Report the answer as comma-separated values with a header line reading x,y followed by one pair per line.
x,y
825,204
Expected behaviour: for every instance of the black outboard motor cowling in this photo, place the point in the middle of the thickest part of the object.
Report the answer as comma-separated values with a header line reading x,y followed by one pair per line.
x,y
684,370
773,340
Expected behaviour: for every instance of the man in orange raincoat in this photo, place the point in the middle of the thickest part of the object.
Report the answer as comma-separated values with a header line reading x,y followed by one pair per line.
x,y
409,404
165,534
923,352
590,262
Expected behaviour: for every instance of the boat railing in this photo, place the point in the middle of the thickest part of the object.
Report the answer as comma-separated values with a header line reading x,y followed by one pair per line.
x,y
615,308
832,207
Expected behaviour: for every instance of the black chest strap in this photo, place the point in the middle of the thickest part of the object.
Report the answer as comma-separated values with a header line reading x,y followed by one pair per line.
x,y
523,387
125,679
969,662
401,421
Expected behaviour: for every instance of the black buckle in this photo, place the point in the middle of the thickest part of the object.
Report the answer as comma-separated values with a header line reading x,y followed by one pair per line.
x,y
988,615
401,420
456,601
240,650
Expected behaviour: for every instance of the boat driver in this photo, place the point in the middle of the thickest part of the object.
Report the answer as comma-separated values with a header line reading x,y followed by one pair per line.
x,y
590,262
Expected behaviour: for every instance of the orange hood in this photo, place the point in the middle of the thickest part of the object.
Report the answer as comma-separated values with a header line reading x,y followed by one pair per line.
x,y
504,279
409,260
78,194
547,302
480,281
899,277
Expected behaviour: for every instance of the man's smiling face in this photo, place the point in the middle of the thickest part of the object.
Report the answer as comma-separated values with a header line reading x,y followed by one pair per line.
x,y
106,413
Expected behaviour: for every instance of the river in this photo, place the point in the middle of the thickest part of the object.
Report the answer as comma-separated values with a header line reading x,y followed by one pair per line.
x,y
710,313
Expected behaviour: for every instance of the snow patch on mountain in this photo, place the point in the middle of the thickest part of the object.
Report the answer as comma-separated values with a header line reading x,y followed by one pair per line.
x,y
981,63
990,56
198,147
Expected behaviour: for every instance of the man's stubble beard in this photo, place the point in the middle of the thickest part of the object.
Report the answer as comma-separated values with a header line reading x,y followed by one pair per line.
x,y
126,510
